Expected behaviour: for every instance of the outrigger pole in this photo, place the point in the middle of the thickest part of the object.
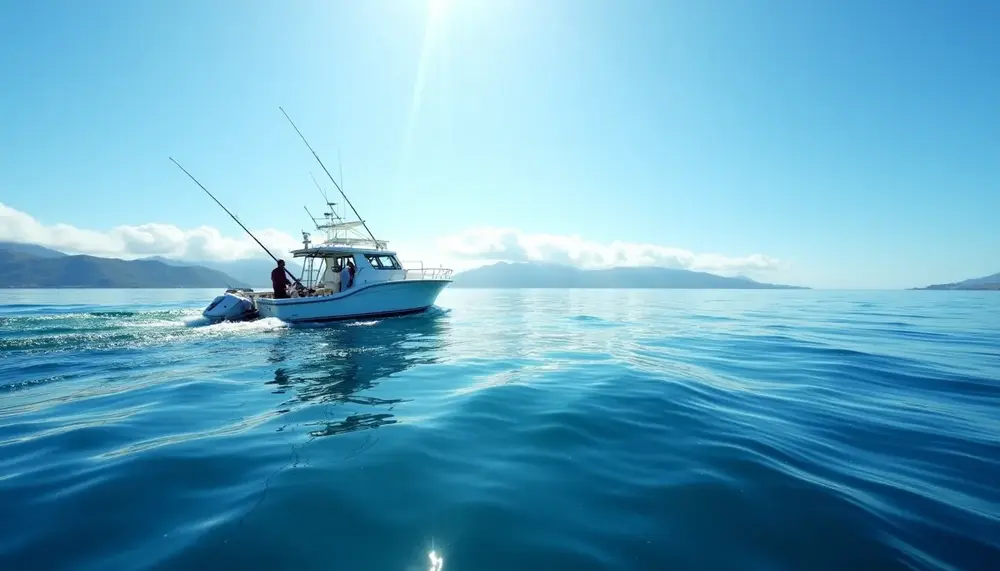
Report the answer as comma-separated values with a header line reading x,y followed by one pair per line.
x,y
320,189
237,220
363,223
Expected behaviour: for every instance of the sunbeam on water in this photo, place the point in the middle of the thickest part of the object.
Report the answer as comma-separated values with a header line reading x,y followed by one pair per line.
x,y
563,430
436,561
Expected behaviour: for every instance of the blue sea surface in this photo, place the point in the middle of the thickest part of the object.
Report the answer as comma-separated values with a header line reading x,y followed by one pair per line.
x,y
504,430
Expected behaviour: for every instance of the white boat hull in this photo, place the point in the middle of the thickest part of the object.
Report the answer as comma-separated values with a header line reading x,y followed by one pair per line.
x,y
379,299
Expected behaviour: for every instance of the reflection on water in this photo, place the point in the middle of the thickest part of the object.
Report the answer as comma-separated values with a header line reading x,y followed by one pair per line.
x,y
661,429
332,365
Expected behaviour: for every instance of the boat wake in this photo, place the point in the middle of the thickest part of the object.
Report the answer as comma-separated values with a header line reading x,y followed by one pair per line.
x,y
198,322
251,326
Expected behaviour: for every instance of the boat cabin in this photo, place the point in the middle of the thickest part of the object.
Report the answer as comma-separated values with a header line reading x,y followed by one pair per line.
x,y
322,268
344,247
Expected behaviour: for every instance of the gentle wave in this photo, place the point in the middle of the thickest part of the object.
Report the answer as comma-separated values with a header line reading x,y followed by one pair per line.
x,y
505,430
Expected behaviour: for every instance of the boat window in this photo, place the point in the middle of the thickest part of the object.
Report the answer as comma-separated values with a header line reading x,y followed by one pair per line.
x,y
383,262
389,262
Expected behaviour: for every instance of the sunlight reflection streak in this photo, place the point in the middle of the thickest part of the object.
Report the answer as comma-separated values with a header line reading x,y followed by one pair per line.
x,y
437,562
435,17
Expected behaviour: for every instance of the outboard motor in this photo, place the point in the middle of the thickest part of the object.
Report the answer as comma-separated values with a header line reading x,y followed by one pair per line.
x,y
230,306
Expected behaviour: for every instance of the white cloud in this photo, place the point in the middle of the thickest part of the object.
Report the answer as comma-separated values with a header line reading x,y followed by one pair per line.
x,y
504,244
153,239
467,249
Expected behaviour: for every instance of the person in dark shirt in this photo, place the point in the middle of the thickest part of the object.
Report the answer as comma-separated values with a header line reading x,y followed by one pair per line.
x,y
279,281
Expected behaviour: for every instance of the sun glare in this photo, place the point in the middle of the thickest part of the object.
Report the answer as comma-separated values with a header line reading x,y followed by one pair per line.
x,y
437,562
438,6
434,30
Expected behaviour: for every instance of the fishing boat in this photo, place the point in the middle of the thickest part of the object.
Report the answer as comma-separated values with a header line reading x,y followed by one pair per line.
x,y
382,286
379,286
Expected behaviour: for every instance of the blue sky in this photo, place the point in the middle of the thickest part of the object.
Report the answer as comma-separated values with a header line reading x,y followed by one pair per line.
x,y
857,143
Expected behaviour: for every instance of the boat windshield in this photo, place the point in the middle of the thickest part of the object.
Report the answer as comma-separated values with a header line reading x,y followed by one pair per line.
x,y
384,261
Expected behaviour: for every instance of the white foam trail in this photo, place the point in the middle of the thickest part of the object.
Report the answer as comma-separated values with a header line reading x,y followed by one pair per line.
x,y
256,326
155,323
208,327
196,322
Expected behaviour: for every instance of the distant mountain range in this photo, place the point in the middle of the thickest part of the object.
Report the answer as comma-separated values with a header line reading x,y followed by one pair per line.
x,y
539,275
31,266
30,249
985,283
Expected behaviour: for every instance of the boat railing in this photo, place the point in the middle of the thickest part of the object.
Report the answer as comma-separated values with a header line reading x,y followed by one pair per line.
x,y
417,271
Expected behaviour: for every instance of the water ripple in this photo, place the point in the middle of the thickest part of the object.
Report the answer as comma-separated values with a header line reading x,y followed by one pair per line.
x,y
504,430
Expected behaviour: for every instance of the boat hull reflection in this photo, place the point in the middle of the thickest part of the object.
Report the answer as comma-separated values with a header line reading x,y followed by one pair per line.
x,y
339,364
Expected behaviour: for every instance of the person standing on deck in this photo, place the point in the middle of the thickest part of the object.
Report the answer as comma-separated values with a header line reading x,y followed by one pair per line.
x,y
279,281
333,280
345,277
351,269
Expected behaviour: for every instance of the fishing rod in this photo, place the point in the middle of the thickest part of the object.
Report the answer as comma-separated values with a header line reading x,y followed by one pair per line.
x,y
237,220
363,223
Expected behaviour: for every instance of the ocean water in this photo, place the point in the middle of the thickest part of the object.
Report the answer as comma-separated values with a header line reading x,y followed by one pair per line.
x,y
504,430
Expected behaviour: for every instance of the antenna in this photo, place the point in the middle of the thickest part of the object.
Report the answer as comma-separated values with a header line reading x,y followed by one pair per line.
x,y
363,223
